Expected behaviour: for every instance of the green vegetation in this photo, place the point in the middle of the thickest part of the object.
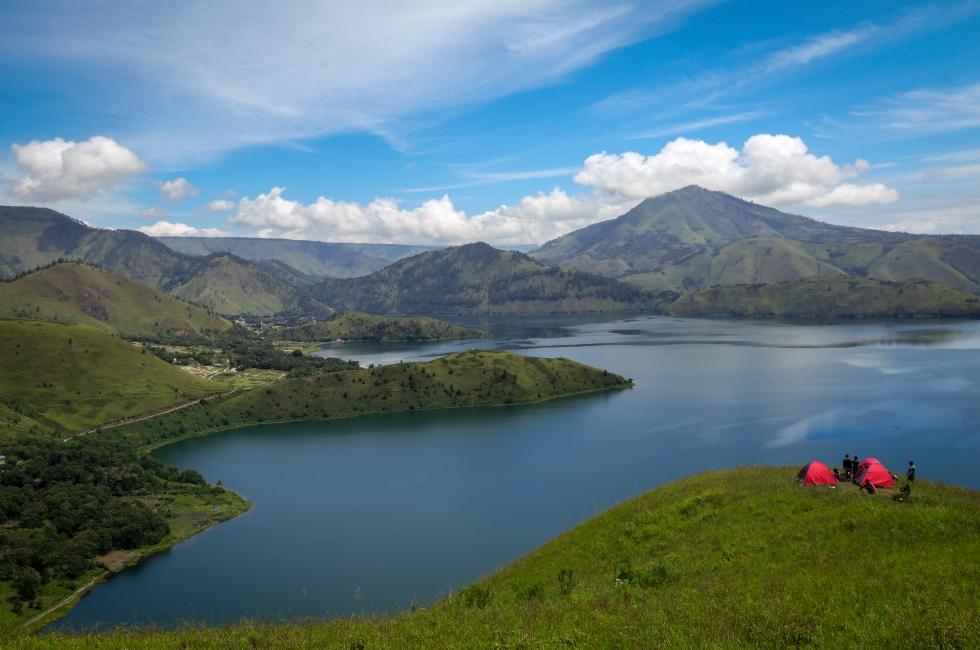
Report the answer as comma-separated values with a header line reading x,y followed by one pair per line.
x,y
314,259
733,558
479,279
72,377
357,326
472,378
76,509
827,298
693,238
73,292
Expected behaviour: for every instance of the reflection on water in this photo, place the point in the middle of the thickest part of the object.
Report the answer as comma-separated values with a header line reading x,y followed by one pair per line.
x,y
375,513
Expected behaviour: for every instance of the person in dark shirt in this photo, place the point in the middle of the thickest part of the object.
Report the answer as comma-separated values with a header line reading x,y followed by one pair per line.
x,y
854,466
846,466
910,474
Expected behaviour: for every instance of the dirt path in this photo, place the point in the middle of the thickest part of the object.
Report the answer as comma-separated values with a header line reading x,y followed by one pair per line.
x,y
67,600
148,416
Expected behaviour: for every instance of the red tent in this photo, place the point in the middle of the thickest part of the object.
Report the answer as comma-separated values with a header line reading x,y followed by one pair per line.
x,y
816,473
868,461
877,474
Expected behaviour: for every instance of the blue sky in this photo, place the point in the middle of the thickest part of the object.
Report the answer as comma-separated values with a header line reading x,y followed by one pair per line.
x,y
511,122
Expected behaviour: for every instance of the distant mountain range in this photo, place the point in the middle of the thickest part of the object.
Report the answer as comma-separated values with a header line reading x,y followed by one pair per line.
x,y
311,258
479,279
694,238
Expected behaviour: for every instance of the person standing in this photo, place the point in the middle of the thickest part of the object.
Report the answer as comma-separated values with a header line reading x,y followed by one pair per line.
x,y
910,474
846,466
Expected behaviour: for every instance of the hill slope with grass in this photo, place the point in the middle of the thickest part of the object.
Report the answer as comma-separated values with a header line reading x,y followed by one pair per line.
x,y
72,292
693,238
479,279
471,378
73,377
830,298
732,558
358,326
313,258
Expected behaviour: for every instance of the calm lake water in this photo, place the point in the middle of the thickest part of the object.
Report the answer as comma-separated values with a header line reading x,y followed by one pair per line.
x,y
378,513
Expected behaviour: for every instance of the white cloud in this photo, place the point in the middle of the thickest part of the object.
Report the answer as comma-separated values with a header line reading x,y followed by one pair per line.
x,y
928,111
177,189
818,47
223,75
697,125
534,219
169,229
770,169
220,205
56,170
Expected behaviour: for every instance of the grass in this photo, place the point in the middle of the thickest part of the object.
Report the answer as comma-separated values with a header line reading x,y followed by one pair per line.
x,y
72,292
472,378
358,326
73,377
187,511
734,558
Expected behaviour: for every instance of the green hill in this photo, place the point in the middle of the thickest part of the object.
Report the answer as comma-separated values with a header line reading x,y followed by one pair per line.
x,y
357,326
694,238
73,292
479,279
35,237
831,297
472,378
740,558
312,258
72,377
229,285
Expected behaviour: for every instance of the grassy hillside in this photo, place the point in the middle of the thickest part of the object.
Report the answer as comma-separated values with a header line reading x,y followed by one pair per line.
x,y
313,258
693,238
358,326
229,285
734,558
72,292
479,279
472,378
72,377
823,298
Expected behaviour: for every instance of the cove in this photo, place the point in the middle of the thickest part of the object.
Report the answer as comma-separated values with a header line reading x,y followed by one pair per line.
x,y
379,513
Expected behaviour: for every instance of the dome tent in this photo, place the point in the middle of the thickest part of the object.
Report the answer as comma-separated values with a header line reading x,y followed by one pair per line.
x,y
876,474
816,473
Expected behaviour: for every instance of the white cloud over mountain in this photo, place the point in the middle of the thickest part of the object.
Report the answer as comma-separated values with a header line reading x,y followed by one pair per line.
x,y
170,229
770,169
177,189
57,169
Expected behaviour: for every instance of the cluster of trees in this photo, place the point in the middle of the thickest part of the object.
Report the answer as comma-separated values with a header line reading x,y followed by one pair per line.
x,y
62,504
242,349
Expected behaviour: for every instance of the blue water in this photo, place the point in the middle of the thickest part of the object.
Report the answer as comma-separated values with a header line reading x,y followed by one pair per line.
x,y
378,513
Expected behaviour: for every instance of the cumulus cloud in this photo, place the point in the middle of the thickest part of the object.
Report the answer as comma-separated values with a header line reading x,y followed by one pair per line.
x,y
177,189
534,219
170,229
770,169
55,170
220,205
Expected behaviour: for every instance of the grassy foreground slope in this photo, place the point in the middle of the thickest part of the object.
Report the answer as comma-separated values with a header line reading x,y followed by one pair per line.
x,y
358,326
733,558
72,377
826,298
73,292
472,378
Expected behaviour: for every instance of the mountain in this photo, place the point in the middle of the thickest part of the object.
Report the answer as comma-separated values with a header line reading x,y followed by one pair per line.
x,y
830,297
357,326
694,238
74,292
310,258
34,237
479,279
70,377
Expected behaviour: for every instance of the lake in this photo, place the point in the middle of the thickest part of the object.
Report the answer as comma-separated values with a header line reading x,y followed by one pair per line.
x,y
379,513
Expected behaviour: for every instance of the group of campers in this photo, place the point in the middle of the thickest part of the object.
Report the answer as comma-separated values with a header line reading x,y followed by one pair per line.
x,y
868,474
